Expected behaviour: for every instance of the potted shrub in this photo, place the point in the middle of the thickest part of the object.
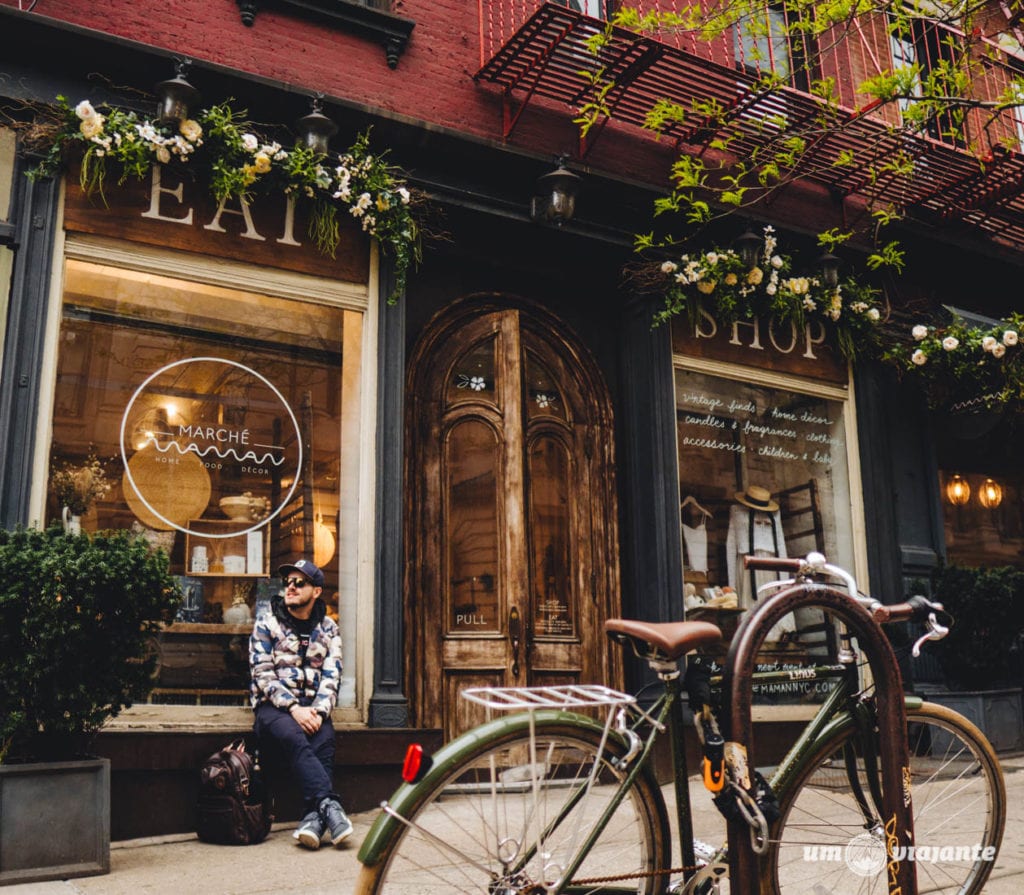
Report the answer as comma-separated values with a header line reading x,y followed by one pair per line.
x,y
78,615
977,655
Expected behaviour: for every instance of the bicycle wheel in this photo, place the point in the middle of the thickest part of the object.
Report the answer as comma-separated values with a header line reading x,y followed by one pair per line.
x,y
508,818
824,844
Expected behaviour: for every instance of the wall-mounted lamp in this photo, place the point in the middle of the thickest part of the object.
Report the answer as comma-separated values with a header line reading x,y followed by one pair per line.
x,y
990,494
556,196
748,247
958,492
316,129
829,269
175,97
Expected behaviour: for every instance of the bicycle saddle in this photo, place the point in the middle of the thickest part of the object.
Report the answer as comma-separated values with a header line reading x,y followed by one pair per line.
x,y
668,639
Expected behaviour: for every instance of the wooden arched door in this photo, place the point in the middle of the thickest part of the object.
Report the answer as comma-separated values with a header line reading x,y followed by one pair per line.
x,y
511,538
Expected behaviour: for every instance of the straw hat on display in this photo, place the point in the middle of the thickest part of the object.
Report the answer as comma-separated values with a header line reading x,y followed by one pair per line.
x,y
757,498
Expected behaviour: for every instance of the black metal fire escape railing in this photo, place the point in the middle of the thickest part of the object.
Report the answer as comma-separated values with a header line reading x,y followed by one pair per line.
x,y
548,57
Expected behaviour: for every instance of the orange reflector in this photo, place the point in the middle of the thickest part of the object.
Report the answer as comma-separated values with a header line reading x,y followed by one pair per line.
x,y
413,762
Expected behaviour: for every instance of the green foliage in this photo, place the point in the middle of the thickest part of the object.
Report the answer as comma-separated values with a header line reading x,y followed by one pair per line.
x,y
988,606
223,150
78,619
957,363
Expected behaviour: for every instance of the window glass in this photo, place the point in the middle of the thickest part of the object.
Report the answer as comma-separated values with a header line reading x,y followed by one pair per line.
x,y
981,488
225,426
762,470
761,43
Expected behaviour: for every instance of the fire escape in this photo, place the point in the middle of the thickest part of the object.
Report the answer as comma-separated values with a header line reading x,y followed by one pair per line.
x,y
547,57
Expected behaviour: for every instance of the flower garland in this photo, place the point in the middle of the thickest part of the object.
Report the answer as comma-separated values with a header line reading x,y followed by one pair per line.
x,y
720,282
962,366
238,162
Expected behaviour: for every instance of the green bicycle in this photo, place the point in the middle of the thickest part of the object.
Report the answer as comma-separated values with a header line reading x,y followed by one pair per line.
x,y
557,792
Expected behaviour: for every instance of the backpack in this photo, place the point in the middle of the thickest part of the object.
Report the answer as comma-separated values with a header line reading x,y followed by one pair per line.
x,y
234,806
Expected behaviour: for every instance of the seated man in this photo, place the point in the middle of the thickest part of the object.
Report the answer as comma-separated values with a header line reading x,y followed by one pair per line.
x,y
295,661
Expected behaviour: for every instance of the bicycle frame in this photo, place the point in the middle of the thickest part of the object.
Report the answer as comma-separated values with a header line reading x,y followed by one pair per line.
x,y
839,710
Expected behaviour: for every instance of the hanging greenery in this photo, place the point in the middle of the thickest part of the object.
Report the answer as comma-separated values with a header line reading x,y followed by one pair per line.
x,y
222,149
719,282
964,366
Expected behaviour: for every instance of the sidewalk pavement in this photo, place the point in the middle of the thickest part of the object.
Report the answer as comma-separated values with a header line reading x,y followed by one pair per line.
x,y
181,865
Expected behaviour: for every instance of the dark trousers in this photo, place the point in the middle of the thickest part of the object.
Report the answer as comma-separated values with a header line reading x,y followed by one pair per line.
x,y
310,759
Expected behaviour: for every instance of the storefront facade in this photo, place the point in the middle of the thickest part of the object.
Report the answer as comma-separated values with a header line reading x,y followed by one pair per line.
x,y
486,468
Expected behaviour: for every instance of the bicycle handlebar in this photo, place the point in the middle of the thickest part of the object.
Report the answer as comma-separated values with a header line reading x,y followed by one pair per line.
x,y
815,566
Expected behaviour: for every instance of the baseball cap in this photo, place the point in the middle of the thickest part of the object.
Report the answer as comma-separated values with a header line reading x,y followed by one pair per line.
x,y
307,568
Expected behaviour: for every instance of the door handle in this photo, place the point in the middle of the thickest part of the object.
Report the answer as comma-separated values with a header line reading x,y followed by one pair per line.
x,y
515,635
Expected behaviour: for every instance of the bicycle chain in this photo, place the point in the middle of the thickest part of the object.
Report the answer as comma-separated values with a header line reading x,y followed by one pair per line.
x,y
595,880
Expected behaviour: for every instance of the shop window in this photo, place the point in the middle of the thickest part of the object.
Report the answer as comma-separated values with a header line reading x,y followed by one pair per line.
x,y
763,469
227,425
981,488
7,146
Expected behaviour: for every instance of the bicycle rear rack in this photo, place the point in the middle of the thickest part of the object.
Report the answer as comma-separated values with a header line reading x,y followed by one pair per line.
x,y
567,696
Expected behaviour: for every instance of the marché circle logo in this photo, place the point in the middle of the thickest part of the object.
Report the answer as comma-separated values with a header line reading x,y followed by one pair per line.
x,y
213,438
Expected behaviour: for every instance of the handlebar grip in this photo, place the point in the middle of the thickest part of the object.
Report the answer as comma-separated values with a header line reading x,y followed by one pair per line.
x,y
772,564
916,609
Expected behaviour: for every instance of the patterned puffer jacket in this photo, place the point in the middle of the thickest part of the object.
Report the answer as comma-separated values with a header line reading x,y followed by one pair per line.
x,y
281,675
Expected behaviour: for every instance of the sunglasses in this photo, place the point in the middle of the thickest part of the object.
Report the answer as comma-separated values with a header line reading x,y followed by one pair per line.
x,y
297,583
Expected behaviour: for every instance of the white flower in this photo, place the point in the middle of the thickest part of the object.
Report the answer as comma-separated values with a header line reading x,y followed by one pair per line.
x,y
919,357
988,343
477,383
809,303
1010,337
85,110
404,193
712,257
951,343
250,142
919,332
874,315
998,350
771,289
776,262
669,267
163,155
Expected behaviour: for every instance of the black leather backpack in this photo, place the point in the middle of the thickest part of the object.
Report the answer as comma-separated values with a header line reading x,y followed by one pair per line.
x,y
234,806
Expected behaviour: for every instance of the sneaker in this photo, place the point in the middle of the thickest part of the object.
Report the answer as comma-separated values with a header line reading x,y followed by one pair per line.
x,y
310,830
336,821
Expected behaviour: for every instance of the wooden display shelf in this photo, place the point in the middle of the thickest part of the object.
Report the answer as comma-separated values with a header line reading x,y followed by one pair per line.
x,y
207,628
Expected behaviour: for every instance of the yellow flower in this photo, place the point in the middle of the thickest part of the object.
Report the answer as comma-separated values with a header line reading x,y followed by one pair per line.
x,y
755,276
706,286
730,279
261,163
190,129
91,127
248,174
382,203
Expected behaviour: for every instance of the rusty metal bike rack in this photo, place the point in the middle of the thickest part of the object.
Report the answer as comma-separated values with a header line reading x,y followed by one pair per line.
x,y
803,593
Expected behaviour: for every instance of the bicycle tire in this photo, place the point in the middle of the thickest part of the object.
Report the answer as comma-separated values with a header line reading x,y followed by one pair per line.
x,y
472,819
820,844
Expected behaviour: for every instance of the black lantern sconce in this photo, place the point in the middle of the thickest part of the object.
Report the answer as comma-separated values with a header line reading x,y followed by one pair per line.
x,y
316,129
175,97
748,247
829,270
555,200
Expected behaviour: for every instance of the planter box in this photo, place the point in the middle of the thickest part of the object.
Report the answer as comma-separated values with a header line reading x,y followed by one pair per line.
x,y
54,820
998,713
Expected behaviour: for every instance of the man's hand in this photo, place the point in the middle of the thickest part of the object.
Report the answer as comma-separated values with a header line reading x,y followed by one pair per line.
x,y
307,717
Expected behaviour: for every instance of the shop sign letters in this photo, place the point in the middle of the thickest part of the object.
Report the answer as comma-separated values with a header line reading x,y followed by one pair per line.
x,y
164,210
767,343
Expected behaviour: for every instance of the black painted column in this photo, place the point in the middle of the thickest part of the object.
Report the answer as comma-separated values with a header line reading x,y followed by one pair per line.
x,y
34,217
389,706
652,565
